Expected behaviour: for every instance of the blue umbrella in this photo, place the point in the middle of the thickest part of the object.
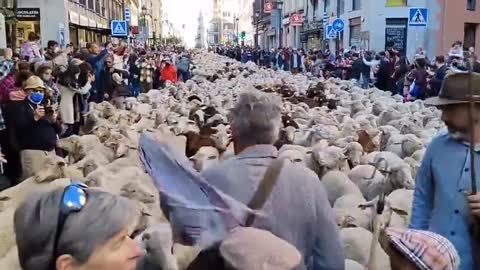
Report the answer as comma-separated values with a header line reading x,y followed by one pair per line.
x,y
199,213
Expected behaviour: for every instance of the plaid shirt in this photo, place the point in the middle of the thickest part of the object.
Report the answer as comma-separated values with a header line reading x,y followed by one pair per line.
x,y
7,85
5,68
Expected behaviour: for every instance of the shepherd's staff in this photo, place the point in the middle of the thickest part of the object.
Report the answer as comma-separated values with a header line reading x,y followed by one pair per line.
x,y
474,223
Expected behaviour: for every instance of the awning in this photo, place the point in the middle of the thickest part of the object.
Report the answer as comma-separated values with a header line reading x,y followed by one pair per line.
x,y
271,32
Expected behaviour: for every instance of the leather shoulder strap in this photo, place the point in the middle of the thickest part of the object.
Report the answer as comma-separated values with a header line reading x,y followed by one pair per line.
x,y
265,188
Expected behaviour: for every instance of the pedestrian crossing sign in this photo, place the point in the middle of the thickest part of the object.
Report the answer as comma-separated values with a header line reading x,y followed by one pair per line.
x,y
119,28
418,17
330,32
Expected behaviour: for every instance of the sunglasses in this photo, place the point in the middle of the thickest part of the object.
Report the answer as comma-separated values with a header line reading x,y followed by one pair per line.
x,y
73,200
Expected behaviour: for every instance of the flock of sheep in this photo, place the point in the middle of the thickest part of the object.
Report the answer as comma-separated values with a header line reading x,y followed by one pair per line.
x,y
363,144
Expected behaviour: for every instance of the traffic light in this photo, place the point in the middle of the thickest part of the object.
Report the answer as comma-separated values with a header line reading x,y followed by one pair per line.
x,y
242,35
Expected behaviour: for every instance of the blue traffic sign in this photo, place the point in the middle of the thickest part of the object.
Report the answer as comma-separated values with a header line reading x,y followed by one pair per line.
x,y
338,25
418,17
119,28
330,32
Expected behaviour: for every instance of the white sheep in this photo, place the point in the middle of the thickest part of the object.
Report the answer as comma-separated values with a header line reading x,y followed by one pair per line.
x,y
356,248
337,184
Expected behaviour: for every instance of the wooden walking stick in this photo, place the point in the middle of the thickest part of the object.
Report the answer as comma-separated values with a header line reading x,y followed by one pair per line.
x,y
474,223
378,209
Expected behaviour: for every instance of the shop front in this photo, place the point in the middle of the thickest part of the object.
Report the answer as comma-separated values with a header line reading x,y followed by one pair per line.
x,y
84,30
28,20
313,34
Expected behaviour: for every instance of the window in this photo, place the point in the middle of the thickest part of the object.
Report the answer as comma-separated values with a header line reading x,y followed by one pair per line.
x,y
396,3
471,4
97,6
356,4
82,2
90,5
355,31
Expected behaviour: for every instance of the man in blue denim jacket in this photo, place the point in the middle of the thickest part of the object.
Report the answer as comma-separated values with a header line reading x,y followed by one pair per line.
x,y
442,201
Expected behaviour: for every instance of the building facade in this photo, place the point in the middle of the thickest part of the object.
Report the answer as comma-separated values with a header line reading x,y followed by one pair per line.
x,y
80,21
370,25
229,19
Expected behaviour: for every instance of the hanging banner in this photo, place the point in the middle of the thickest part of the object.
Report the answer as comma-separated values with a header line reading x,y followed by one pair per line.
x,y
61,35
296,19
268,7
3,35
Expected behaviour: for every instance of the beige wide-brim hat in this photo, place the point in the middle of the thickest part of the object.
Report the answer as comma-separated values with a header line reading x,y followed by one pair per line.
x,y
34,82
457,88
254,249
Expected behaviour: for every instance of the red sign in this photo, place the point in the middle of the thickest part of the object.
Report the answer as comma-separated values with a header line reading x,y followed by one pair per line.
x,y
296,19
268,7
135,30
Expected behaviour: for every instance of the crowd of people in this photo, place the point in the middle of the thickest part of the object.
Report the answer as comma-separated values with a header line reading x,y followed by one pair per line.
x,y
389,70
44,92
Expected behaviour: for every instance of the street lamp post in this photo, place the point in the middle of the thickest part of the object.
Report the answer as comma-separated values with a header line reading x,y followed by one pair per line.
x,y
279,6
155,32
237,20
257,16
145,26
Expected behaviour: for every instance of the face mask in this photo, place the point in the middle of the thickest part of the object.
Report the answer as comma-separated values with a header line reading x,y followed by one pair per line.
x,y
46,78
36,98
56,50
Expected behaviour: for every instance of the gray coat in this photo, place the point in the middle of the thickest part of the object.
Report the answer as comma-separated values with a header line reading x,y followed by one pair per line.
x,y
297,211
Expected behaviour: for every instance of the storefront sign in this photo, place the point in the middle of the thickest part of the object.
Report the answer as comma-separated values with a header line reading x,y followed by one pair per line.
x,y
28,14
314,26
74,18
3,36
296,19
83,20
268,7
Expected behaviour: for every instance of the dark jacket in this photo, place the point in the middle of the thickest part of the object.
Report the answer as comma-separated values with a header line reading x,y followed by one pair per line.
x,y
107,85
437,80
384,81
356,70
420,77
30,134
97,62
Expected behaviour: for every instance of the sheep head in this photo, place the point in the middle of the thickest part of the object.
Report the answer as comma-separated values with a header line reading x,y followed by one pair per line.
x,y
354,152
76,151
135,191
329,158
205,157
222,137
52,169
102,132
294,155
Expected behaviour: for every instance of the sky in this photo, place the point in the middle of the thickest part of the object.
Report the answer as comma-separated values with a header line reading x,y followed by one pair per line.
x,y
186,12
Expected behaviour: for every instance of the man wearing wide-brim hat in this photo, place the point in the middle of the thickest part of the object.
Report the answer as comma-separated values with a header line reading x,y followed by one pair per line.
x,y
443,202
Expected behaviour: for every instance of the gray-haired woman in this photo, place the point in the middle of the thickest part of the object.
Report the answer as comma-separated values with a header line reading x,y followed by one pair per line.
x,y
76,228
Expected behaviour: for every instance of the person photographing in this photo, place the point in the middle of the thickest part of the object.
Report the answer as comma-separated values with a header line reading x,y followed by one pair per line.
x,y
36,130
